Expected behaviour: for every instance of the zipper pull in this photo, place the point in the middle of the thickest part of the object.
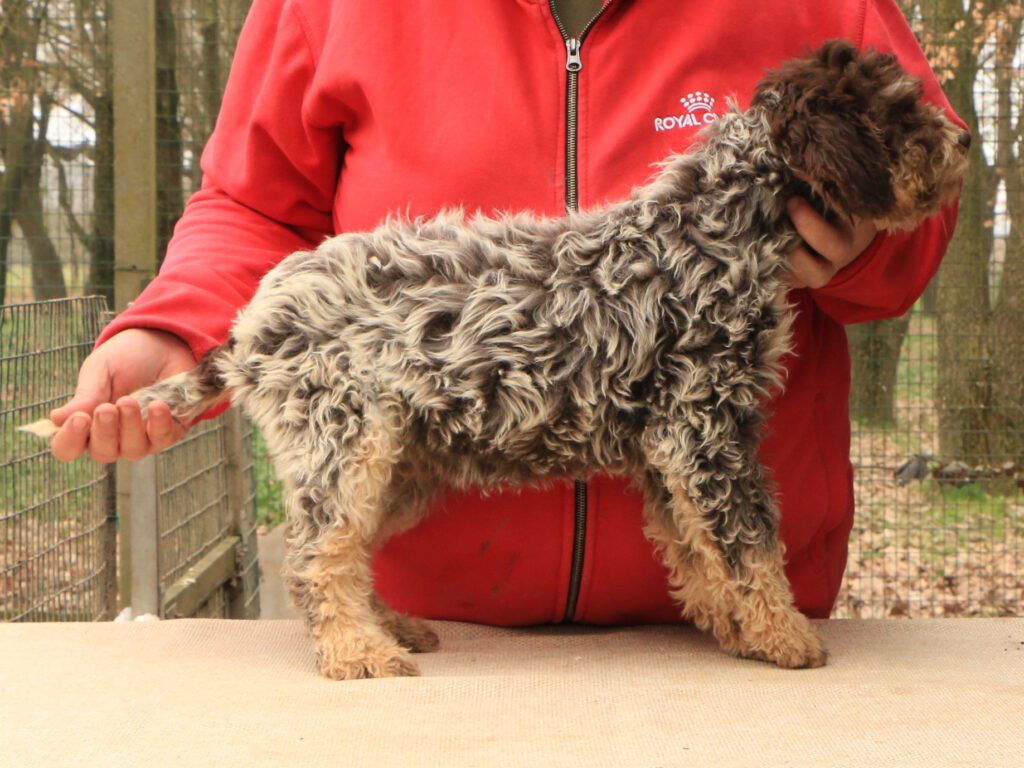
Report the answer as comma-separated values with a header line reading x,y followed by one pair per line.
x,y
573,62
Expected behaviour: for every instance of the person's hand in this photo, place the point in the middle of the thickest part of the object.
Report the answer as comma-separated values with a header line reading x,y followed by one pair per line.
x,y
834,244
101,418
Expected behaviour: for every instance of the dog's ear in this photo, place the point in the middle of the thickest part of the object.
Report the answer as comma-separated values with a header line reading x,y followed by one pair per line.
x,y
820,120
844,161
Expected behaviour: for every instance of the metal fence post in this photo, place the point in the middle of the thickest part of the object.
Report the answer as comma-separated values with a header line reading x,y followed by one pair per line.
x,y
135,214
133,45
108,544
244,598
144,538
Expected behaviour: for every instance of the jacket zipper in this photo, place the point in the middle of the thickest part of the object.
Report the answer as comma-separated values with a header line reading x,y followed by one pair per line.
x,y
573,65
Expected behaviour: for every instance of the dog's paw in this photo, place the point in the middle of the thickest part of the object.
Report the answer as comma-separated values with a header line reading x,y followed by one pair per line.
x,y
371,660
799,653
791,644
415,634
412,633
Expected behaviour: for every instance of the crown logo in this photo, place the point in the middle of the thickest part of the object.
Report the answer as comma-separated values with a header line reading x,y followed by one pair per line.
x,y
698,100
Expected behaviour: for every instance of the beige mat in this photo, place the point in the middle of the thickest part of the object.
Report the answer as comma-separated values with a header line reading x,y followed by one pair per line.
x,y
220,693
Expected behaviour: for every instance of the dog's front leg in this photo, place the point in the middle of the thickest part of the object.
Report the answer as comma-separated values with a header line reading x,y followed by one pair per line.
x,y
710,514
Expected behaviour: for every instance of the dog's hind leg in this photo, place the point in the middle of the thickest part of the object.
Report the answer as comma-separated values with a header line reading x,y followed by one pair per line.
x,y
411,632
414,491
339,499
710,514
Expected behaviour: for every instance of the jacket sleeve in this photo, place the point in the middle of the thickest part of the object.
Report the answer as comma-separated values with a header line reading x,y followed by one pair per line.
x,y
269,178
893,272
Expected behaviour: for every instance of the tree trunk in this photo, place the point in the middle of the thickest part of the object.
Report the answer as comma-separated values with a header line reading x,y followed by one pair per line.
x,y
875,357
930,299
101,241
211,96
1008,342
10,183
47,269
170,200
1008,327
963,320
13,147
1007,414
964,323
18,37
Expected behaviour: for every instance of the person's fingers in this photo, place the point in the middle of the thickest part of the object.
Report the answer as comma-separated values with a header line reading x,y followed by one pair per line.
x,y
129,360
104,437
134,442
92,389
839,242
161,429
71,439
832,241
117,431
810,270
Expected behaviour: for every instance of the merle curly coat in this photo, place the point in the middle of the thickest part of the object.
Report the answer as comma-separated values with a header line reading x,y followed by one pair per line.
x,y
641,339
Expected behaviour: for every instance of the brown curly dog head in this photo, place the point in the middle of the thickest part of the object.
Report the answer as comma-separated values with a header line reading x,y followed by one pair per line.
x,y
852,126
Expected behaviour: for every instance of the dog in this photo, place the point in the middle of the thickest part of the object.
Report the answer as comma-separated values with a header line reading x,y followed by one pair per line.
x,y
640,339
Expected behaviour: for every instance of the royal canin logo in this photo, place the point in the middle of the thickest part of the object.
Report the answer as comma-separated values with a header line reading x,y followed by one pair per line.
x,y
700,108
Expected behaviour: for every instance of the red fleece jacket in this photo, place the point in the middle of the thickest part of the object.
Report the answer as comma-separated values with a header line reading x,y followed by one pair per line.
x,y
340,113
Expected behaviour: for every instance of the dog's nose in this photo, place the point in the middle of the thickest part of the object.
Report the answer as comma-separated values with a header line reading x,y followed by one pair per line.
x,y
965,140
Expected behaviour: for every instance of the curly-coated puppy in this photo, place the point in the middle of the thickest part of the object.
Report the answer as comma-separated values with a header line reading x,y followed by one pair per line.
x,y
640,339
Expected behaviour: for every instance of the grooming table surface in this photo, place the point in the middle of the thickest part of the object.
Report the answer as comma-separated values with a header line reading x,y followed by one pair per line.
x,y
226,693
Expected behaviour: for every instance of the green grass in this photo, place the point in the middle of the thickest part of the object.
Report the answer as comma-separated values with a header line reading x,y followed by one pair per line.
x,y
917,374
269,490
39,359
983,508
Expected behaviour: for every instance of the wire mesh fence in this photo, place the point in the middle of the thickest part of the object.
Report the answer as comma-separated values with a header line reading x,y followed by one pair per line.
x,y
195,43
59,538
56,185
937,398
247,575
194,512
57,239
56,526
935,534
205,502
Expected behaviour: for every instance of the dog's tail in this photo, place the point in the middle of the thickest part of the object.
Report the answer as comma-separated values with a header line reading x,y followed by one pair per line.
x,y
189,394
192,393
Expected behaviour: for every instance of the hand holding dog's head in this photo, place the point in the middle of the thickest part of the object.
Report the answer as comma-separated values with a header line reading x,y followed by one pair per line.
x,y
853,127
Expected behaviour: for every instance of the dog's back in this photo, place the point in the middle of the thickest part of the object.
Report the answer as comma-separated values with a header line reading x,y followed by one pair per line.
x,y
534,345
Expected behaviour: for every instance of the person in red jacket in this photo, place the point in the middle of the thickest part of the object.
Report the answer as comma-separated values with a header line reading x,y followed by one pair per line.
x,y
340,114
